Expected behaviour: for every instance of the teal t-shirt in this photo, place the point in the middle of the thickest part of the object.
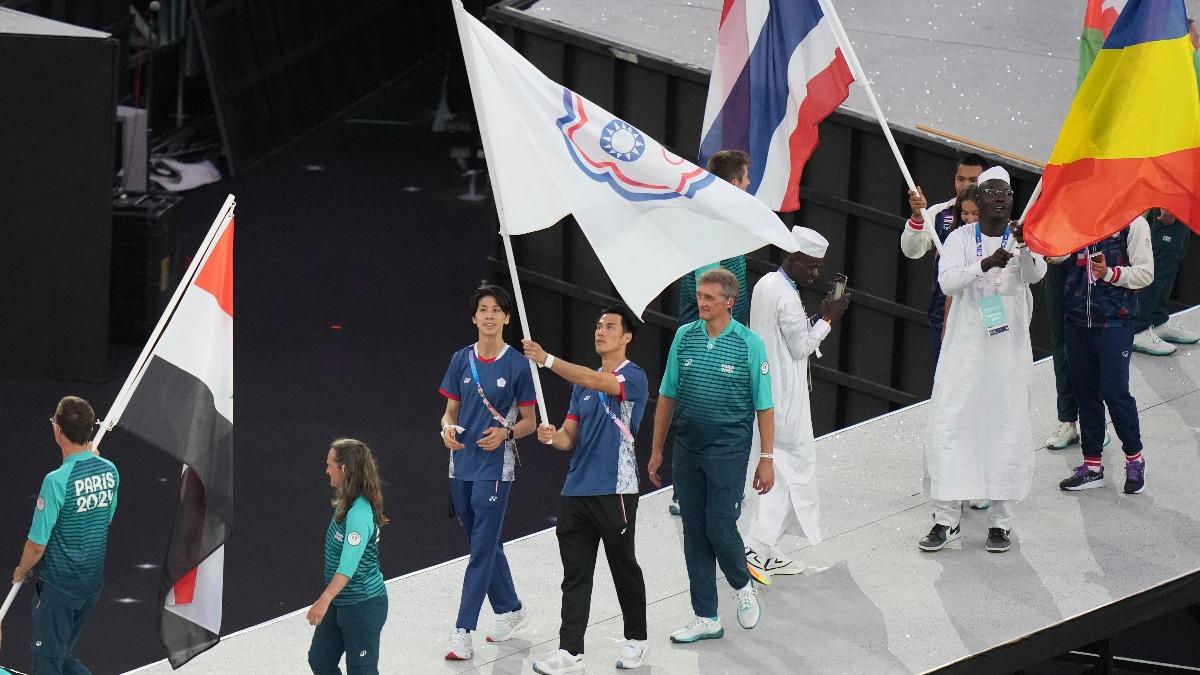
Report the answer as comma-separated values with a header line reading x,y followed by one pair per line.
x,y
74,508
352,550
718,384
687,291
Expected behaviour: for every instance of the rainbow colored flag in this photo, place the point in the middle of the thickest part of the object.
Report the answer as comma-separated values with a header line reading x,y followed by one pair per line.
x,y
1098,21
1131,140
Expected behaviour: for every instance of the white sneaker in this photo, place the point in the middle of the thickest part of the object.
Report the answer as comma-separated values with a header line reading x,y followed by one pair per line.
x,y
749,611
632,653
507,624
783,566
1065,434
1173,332
699,628
1148,342
460,645
560,662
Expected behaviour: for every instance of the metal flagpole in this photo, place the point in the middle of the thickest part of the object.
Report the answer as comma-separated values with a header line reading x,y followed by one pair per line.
x,y
12,594
139,366
861,76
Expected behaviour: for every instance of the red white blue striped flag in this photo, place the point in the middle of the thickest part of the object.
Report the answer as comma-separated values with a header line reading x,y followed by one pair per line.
x,y
777,72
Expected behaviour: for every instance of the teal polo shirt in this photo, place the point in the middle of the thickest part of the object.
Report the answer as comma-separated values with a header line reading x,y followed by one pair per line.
x,y
352,550
718,384
74,508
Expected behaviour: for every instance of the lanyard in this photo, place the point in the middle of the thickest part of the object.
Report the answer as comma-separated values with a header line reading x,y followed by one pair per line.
x,y
979,253
482,396
616,420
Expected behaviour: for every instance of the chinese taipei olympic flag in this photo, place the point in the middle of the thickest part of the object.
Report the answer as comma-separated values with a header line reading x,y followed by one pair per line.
x,y
650,215
183,405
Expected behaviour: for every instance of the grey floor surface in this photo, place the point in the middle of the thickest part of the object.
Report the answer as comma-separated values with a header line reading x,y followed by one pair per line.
x,y
880,605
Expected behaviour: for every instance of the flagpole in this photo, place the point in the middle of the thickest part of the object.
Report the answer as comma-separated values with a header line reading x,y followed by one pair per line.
x,y
12,594
861,76
139,366
496,195
1033,197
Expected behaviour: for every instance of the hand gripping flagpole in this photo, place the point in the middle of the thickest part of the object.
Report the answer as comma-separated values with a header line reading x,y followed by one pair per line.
x,y
12,594
861,76
139,366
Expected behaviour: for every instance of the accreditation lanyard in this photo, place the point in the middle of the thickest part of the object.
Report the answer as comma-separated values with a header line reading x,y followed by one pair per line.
x,y
979,253
482,396
616,420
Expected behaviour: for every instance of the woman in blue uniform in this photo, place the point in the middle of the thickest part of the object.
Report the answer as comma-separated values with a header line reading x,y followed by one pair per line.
x,y
489,404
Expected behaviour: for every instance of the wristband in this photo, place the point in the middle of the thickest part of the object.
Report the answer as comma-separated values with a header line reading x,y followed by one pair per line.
x,y
767,455
549,361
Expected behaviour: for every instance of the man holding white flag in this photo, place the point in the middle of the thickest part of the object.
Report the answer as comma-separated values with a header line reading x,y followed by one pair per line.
x,y
650,215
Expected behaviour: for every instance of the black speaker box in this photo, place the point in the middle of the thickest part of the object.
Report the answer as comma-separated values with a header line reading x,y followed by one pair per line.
x,y
57,114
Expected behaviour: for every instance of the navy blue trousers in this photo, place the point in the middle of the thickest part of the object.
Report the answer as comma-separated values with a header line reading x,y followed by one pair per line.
x,y
710,497
353,630
1099,360
58,621
480,506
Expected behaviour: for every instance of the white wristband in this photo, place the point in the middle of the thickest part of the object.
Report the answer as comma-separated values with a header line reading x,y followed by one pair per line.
x,y
549,361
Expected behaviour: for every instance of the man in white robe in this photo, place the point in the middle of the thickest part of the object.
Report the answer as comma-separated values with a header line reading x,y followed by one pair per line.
x,y
791,336
979,443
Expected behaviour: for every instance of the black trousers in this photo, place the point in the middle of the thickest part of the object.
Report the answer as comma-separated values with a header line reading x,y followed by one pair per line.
x,y
583,522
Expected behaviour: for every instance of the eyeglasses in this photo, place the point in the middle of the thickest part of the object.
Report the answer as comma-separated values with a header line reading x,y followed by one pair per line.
x,y
995,192
53,423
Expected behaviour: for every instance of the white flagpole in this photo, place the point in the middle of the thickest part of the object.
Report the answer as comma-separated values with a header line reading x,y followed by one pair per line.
x,y
139,366
480,114
12,594
861,76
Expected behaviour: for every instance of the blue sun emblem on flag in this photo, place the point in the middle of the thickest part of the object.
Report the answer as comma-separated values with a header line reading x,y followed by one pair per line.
x,y
622,141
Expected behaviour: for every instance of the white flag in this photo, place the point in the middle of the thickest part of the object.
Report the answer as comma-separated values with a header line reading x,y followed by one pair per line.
x,y
650,216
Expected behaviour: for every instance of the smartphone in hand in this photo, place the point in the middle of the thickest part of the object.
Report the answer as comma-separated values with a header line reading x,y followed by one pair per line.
x,y
839,285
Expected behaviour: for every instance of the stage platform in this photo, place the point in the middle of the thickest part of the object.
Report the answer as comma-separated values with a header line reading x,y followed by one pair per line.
x,y
1083,567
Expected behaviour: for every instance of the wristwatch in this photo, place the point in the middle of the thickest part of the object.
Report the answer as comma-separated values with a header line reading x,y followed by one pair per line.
x,y
510,432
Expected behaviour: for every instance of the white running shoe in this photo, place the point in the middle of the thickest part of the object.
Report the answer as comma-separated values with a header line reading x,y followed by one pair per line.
x,y
507,624
632,653
749,611
1065,434
775,566
1148,342
460,645
699,628
560,662
1173,332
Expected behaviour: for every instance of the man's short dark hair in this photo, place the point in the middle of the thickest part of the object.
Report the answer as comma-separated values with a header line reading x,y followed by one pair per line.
x,y
629,322
75,417
729,165
489,290
972,159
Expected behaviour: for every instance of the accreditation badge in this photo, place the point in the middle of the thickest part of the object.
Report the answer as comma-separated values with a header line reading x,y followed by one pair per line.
x,y
994,318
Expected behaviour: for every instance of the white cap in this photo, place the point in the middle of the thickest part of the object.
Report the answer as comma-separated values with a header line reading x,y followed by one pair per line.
x,y
810,241
995,173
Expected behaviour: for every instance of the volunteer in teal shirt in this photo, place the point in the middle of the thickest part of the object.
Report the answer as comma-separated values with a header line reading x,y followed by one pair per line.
x,y
69,538
350,614
716,383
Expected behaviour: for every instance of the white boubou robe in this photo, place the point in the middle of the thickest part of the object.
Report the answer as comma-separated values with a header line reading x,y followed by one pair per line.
x,y
979,442
778,317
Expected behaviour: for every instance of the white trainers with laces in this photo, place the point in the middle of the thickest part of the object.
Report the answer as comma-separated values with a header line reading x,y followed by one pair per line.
x,y
749,611
1148,342
1064,434
784,566
699,628
1174,333
460,645
632,653
507,624
560,662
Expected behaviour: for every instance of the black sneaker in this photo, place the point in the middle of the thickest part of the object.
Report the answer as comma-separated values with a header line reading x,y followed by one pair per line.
x,y
1135,477
1083,479
938,537
998,541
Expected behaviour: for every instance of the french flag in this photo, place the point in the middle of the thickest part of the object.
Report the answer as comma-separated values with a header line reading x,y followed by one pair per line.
x,y
778,71
182,403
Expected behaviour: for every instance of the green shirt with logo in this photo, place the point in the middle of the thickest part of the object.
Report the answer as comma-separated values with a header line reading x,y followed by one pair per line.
x,y
718,384
352,550
74,508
